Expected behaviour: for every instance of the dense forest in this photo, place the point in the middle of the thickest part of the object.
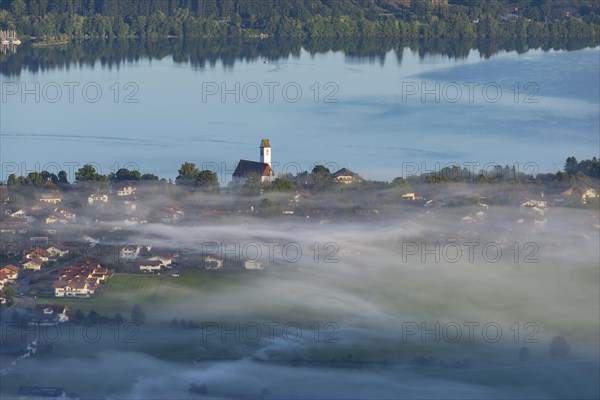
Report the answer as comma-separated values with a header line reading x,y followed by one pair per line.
x,y
304,19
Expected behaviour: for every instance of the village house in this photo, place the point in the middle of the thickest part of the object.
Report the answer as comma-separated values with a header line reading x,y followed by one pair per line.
x,y
56,218
432,203
33,264
171,212
20,213
24,213
567,193
11,272
37,209
73,288
150,265
165,259
253,264
366,211
50,198
125,189
37,253
411,196
134,221
48,314
212,262
129,206
262,170
167,217
58,250
3,279
67,213
91,240
130,252
344,175
81,280
14,225
96,198
587,194
534,203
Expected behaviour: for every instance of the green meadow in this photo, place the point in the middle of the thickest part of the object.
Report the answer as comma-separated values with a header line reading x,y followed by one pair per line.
x,y
123,291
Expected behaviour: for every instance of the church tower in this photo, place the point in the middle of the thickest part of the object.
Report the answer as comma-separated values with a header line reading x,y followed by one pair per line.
x,y
265,152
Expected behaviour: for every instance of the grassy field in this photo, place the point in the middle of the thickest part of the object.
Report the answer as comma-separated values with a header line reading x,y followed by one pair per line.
x,y
125,290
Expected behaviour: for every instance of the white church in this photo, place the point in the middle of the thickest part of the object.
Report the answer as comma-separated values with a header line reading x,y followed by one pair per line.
x,y
252,170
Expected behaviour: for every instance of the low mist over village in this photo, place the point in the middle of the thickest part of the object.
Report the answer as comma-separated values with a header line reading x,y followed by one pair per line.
x,y
299,199
264,266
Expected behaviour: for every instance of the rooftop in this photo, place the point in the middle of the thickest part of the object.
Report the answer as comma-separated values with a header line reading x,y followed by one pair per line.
x,y
246,168
345,172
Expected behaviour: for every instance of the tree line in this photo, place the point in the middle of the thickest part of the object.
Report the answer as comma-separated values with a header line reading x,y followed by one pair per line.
x,y
319,177
138,317
301,19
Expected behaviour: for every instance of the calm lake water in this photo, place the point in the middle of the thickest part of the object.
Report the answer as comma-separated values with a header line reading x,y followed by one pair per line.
x,y
378,115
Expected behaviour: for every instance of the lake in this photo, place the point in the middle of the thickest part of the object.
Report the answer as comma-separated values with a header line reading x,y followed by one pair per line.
x,y
393,111
361,327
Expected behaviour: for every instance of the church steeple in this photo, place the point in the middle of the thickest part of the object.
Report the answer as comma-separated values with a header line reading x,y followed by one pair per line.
x,y
265,152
